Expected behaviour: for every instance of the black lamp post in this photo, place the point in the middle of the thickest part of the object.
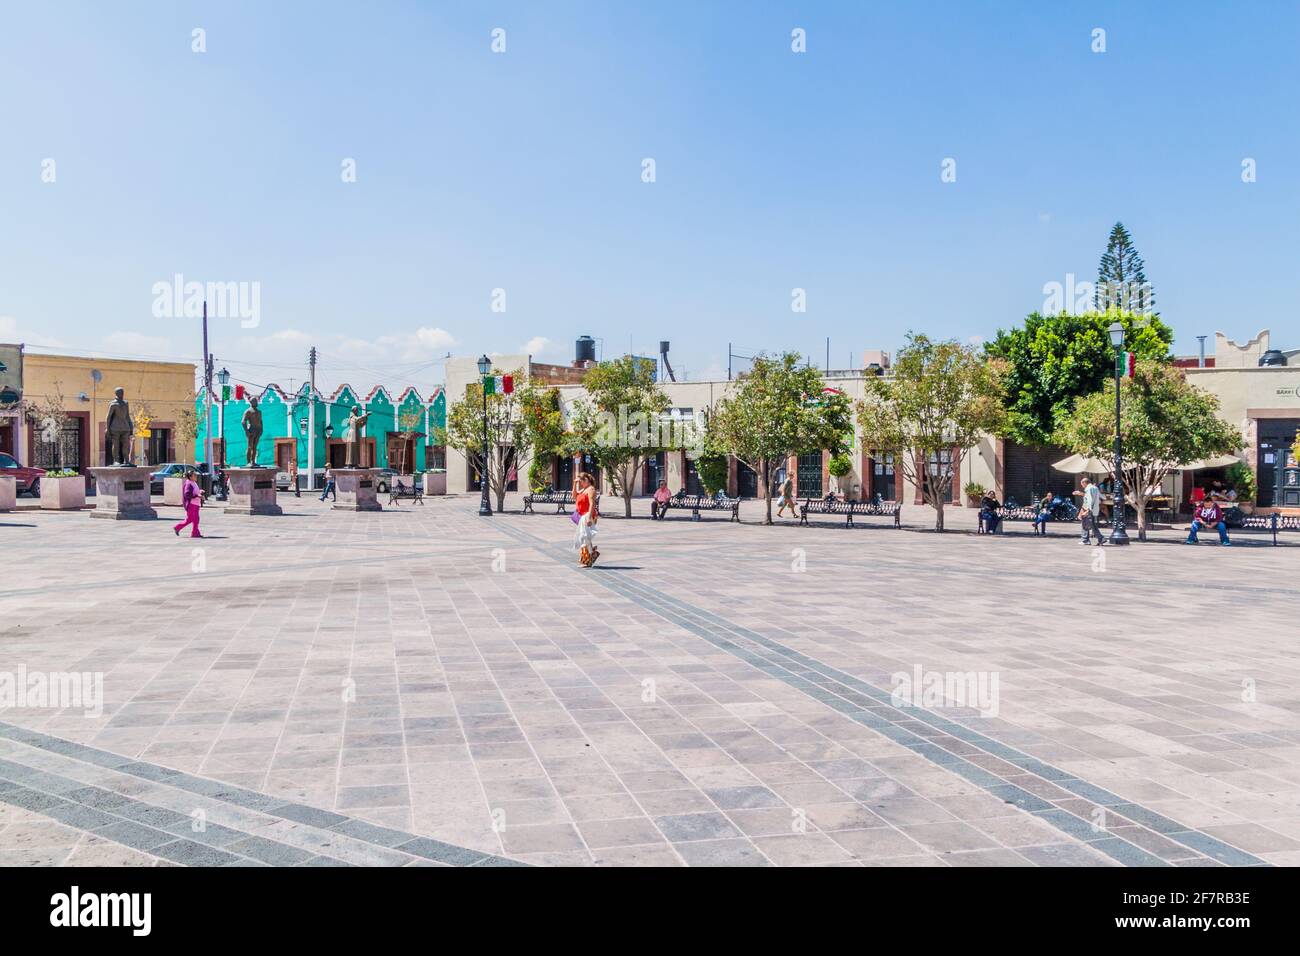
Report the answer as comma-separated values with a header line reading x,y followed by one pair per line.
x,y
1117,533
223,379
484,506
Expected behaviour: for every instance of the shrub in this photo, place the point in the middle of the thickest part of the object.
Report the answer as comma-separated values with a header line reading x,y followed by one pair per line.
x,y
974,489
839,466
712,470
1242,478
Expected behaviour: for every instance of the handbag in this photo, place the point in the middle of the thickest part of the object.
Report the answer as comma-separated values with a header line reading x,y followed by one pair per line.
x,y
575,517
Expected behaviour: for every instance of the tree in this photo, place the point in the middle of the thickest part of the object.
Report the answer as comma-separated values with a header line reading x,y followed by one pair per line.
x,y
712,469
941,397
1121,276
1165,422
1053,360
620,422
50,417
779,408
408,420
510,429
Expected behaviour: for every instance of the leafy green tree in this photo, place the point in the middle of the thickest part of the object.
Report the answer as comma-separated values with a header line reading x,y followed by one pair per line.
x,y
712,469
779,409
1121,275
942,396
1165,423
518,425
620,422
1053,360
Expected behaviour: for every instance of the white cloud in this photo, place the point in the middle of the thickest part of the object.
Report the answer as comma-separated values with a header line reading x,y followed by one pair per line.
x,y
10,331
537,345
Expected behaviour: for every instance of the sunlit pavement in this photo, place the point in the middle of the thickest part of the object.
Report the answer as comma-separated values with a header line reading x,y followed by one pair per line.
x,y
424,686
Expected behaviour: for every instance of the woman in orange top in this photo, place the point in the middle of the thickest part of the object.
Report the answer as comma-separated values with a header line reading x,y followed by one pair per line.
x,y
584,505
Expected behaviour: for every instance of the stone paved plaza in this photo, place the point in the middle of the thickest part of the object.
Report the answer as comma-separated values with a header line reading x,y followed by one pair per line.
x,y
424,686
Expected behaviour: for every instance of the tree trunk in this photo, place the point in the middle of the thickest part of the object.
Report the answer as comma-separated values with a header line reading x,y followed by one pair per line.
x,y
767,488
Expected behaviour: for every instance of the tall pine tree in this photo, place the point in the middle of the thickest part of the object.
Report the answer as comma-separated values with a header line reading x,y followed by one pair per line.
x,y
1121,276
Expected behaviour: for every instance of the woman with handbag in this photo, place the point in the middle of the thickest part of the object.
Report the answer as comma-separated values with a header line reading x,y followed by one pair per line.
x,y
192,499
585,517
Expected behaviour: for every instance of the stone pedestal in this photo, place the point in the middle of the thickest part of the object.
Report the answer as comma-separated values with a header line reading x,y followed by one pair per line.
x,y
435,482
122,493
252,492
356,489
174,492
8,493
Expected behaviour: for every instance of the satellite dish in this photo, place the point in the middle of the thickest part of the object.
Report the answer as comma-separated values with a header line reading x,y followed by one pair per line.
x,y
96,375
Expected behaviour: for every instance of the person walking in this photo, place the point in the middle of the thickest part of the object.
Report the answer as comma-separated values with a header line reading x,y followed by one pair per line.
x,y
192,499
787,499
329,485
586,515
1088,512
293,476
1209,514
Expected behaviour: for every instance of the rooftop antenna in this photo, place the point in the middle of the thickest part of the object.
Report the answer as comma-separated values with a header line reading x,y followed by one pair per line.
x,y
1201,363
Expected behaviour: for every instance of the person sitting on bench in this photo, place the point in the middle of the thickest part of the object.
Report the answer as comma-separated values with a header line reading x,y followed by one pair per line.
x,y
1208,514
659,506
989,517
1044,515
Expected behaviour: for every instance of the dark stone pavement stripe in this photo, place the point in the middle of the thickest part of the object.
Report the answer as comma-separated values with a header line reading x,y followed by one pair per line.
x,y
873,707
144,826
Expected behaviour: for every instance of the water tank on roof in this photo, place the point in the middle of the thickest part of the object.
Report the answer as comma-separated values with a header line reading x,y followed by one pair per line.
x,y
1272,357
585,350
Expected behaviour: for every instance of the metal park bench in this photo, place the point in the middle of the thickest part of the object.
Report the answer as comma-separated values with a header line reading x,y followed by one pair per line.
x,y
1269,524
851,509
562,500
399,490
698,503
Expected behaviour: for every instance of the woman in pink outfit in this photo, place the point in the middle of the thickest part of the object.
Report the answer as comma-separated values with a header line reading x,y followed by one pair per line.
x,y
192,498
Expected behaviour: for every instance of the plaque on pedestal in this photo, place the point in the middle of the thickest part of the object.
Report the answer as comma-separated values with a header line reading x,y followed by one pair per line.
x,y
252,492
122,493
356,489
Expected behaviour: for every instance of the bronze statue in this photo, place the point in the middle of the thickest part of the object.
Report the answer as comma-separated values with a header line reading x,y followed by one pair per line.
x,y
352,435
252,430
119,429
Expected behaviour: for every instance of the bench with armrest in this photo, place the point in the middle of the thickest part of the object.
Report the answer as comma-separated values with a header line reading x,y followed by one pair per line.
x,y
851,509
562,500
398,489
698,503
1269,524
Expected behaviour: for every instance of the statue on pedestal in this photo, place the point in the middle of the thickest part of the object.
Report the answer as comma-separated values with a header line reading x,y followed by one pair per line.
x,y
119,428
352,435
252,422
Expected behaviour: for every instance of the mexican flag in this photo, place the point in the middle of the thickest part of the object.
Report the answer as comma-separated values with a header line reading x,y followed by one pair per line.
x,y
1126,364
498,384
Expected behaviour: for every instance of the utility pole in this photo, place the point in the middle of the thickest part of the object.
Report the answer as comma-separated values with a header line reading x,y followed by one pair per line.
x,y
207,402
311,421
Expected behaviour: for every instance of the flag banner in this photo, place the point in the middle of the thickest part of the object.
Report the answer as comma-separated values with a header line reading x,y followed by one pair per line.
x,y
225,393
239,392
507,384
489,385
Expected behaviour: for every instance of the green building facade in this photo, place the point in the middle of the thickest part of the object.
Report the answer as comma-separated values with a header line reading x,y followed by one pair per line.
x,y
400,433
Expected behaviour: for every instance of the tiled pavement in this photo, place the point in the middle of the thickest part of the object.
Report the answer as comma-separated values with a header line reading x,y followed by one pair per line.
x,y
710,693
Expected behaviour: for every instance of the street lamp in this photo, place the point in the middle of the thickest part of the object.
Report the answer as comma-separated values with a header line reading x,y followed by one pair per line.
x,y
1117,533
484,506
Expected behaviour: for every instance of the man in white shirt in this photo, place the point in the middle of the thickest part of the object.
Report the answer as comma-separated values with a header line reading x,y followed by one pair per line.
x,y
1088,512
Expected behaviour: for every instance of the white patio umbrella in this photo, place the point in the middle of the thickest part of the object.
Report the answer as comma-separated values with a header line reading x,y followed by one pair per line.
x,y
1218,461
1079,465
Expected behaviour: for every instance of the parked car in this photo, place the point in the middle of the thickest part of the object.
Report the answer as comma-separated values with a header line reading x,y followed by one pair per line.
x,y
172,469
25,479
386,479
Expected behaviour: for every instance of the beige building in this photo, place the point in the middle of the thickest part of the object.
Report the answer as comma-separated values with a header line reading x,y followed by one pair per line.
x,y
83,387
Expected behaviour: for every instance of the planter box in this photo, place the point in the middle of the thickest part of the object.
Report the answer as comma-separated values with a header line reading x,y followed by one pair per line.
x,y
8,493
172,488
63,494
435,482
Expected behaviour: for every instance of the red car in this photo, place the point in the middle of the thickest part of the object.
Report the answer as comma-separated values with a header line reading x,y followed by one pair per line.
x,y
26,479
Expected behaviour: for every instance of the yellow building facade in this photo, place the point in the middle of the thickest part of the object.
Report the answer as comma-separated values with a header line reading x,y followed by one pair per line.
x,y
161,396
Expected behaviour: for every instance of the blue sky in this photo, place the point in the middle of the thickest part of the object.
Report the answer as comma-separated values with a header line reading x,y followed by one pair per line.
x,y
522,171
